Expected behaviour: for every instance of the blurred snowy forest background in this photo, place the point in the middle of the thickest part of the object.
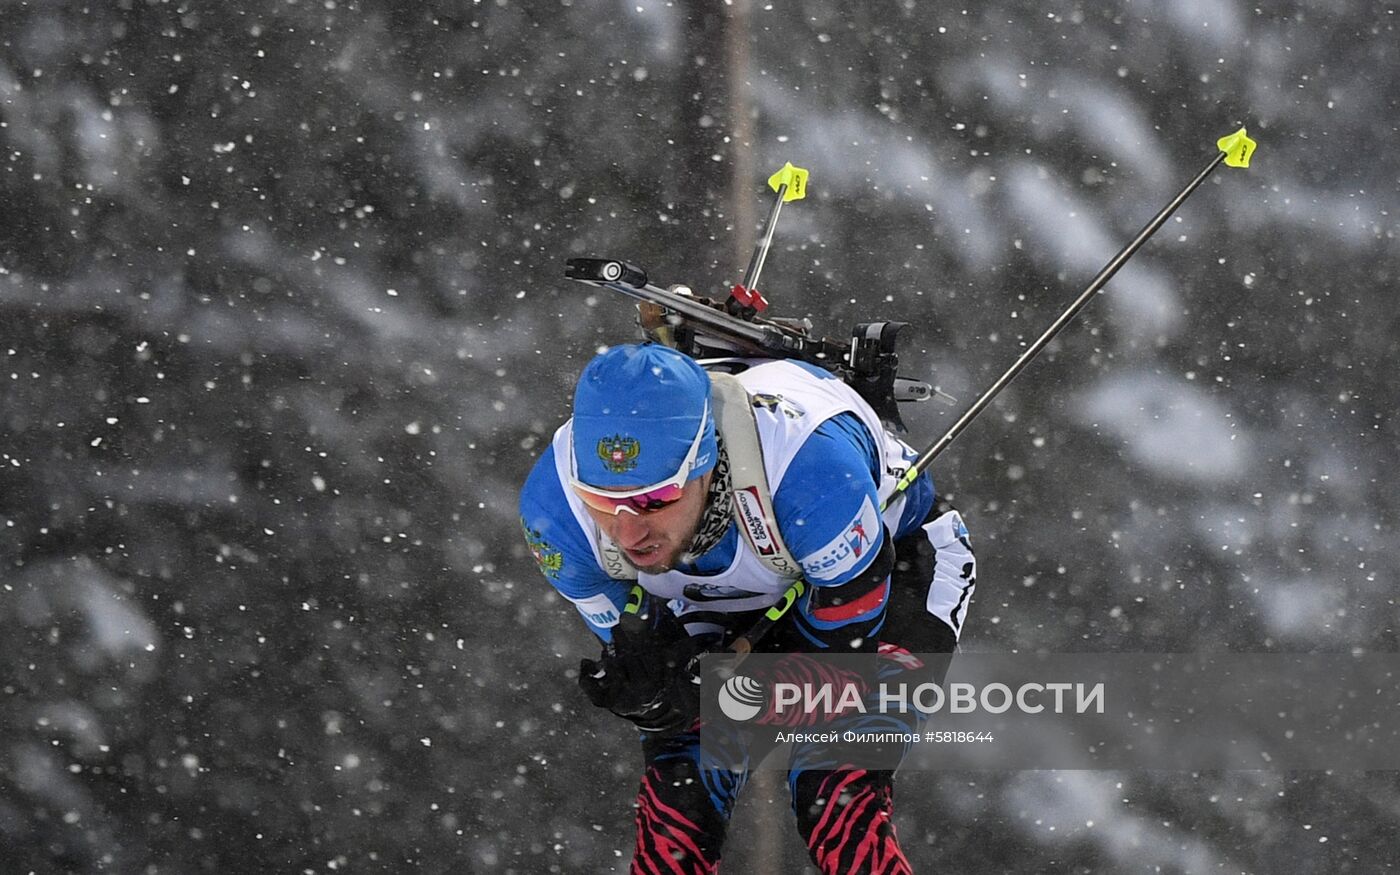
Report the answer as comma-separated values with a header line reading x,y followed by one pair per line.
x,y
284,326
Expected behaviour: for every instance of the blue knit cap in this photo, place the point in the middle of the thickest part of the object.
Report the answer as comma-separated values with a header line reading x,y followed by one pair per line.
x,y
636,411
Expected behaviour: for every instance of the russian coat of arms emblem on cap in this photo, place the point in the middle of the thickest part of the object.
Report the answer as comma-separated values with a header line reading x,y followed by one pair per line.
x,y
619,453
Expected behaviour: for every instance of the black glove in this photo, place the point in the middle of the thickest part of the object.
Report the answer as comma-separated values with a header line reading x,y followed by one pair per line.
x,y
645,674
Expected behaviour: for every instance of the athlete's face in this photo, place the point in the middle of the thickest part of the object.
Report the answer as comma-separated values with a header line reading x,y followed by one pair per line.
x,y
655,540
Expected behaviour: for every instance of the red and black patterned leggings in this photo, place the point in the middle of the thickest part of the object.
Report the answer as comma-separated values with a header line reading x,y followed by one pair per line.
x,y
843,815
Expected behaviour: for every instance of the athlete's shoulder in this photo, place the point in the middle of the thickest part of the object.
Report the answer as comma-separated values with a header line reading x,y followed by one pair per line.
x,y
556,539
542,493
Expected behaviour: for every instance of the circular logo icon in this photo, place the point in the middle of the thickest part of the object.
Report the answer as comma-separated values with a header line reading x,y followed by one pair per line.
x,y
741,698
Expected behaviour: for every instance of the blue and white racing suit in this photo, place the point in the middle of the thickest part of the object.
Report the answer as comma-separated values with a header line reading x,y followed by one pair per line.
x,y
830,463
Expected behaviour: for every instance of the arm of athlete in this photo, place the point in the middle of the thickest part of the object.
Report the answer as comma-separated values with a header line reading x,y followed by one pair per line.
x,y
562,551
828,511
641,674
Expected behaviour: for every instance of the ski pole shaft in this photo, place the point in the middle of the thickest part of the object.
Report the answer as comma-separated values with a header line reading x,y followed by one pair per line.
x,y
1235,150
790,183
1095,285
760,250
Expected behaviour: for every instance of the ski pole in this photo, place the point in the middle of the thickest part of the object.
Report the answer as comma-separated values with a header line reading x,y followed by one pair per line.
x,y
1234,149
790,183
